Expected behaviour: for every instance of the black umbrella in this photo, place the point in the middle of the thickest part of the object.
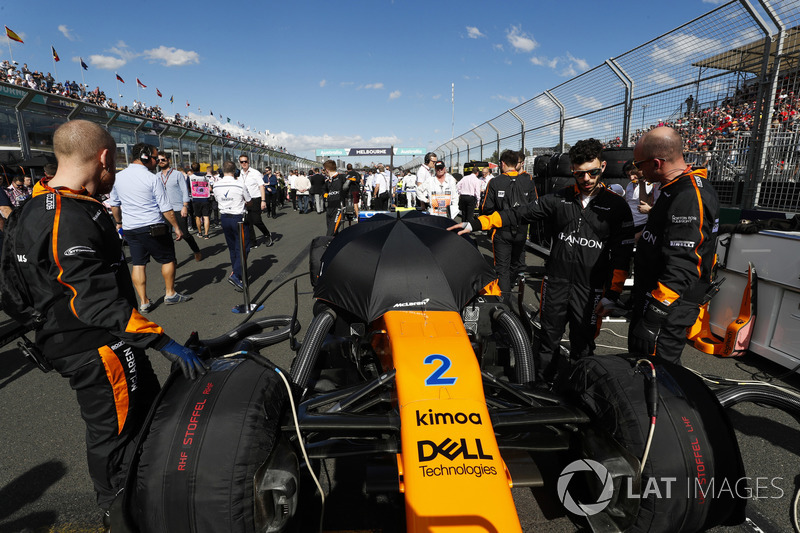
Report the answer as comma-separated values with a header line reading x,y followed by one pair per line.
x,y
405,263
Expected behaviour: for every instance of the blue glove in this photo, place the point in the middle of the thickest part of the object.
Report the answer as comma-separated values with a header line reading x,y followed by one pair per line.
x,y
186,358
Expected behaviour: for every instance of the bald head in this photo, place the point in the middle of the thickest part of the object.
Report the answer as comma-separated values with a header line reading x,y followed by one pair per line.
x,y
81,141
662,143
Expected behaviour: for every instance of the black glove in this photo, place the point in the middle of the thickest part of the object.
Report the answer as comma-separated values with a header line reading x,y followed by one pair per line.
x,y
186,358
642,340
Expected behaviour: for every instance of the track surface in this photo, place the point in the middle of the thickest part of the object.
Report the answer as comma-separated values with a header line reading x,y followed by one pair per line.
x,y
44,484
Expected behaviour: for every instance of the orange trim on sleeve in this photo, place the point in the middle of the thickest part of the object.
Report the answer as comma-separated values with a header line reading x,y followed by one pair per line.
x,y
119,384
702,238
56,221
618,280
139,324
664,294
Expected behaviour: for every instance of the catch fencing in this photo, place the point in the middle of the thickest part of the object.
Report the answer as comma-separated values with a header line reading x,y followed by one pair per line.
x,y
728,81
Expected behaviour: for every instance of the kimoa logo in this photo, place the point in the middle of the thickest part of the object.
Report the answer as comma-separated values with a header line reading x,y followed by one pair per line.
x,y
435,419
411,304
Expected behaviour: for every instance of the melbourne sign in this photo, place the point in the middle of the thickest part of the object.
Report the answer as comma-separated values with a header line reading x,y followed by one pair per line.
x,y
353,152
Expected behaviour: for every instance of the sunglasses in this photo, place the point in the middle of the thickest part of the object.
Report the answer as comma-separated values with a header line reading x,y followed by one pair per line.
x,y
638,164
162,160
244,162
593,172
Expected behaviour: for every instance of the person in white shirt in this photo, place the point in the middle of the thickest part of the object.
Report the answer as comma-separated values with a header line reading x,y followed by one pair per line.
x,y
640,196
232,196
254,182
369,185
410,188
303,184
424,174
292,181
381,189
440,192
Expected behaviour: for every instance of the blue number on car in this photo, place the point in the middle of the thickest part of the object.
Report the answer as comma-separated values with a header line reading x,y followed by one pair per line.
x,y
437,376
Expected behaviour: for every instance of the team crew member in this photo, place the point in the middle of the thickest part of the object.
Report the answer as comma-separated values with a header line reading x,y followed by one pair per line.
x,y
592,245
382,191
254,182
355,186
232,196
675,253
201,199
335,189
508,191
92,333
174,183
440,192
140,205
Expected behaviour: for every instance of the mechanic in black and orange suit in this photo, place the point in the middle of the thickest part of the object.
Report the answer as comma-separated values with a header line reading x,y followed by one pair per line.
x,y
73,266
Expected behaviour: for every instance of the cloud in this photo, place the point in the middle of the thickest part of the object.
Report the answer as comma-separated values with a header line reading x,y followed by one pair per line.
x,y
661,78
474,33
589,102
437,96
106,62
498,47
66,32
679,48
572,66
581,64
171,56
123,51
519,40
544,62
371,86
323,83
394,95
346,83
513,100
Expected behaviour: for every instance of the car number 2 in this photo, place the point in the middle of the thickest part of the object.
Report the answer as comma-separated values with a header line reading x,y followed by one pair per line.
x,y
437,377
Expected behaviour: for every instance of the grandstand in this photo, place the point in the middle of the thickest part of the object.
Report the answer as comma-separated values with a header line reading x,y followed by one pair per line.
x,y
32,107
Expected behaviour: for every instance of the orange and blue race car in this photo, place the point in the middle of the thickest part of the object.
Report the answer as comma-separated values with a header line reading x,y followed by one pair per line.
x,y
416,379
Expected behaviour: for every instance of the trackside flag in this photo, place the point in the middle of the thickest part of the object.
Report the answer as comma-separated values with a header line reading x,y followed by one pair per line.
x,y
84,65
187,103
13,36
171,100
120,78
55,55
158,93
140,84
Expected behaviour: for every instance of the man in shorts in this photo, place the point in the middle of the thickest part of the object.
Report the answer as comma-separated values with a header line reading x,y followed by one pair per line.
x,y
140,205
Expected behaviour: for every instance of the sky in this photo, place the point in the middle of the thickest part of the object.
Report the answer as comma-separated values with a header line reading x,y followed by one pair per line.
x,y
336,74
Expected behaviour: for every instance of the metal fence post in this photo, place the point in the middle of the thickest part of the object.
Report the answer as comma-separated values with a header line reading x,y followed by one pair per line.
x,y
561,119
521,130
628,82
489,122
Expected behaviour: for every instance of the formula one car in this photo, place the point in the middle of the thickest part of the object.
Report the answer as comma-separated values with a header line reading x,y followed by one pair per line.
x,y
415,369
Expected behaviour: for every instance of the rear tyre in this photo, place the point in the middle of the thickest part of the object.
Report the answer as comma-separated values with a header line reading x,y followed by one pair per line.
x,y
207,440
694,442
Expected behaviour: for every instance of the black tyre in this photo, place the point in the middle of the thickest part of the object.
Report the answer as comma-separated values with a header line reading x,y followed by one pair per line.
x,y
694,442
206,442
